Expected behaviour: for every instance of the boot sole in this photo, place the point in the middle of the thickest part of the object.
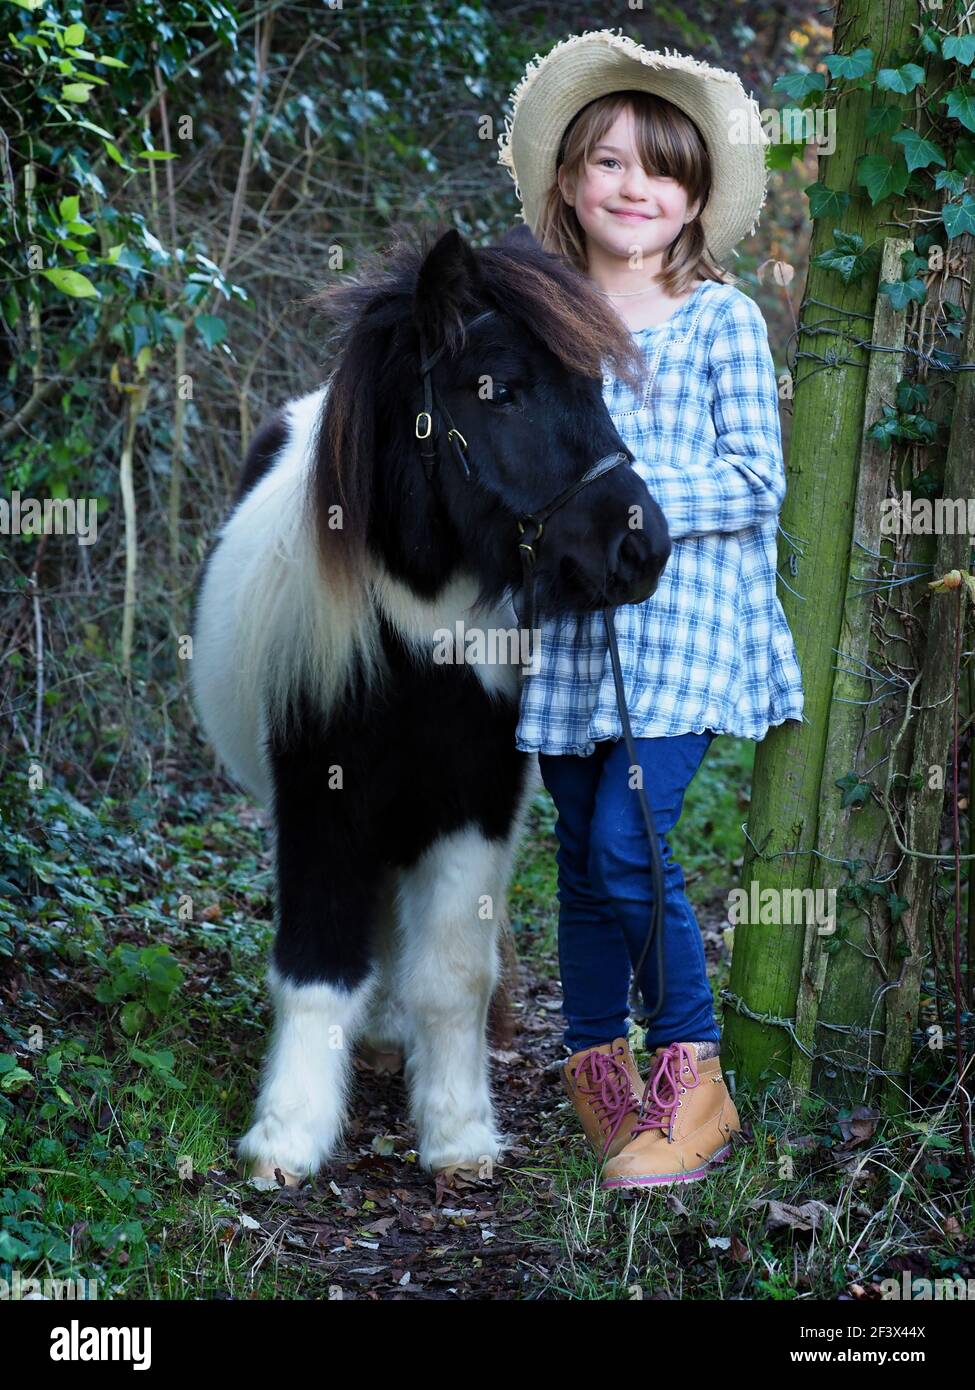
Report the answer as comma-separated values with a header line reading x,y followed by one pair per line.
x,y
664,1179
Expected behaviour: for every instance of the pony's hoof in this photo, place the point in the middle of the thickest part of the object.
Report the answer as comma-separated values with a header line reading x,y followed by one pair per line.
x,y
472,1157
272,1172
472,1170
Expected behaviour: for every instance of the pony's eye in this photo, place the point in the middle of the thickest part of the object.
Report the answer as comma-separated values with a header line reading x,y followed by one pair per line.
x,y
502,394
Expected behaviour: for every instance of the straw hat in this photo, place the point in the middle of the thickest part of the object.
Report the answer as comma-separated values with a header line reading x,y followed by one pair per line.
x,y
579,69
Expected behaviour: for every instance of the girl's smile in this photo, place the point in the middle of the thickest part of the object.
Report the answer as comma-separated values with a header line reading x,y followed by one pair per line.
x,y
615,197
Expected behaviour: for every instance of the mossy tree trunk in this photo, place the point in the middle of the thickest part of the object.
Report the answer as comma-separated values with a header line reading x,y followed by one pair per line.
x,y
807,999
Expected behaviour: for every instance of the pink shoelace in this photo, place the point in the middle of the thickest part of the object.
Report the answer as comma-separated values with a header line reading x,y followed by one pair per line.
x,y
611,1092
661,1096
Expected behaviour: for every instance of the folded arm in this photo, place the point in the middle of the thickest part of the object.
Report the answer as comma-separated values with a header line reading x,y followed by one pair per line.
x,y
744,480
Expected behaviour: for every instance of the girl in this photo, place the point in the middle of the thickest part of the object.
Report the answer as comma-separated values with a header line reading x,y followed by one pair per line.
x,y
645,169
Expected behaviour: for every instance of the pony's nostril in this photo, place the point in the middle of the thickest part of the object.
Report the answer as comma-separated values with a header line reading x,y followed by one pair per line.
x,y
634,558
637,566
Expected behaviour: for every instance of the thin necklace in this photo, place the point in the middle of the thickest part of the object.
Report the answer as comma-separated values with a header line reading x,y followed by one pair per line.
x,y
626,294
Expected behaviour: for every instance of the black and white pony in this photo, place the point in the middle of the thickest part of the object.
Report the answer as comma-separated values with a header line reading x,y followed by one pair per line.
x,y
396,790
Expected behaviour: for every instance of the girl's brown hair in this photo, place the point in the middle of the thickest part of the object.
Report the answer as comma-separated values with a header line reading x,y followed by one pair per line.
x,y
668,143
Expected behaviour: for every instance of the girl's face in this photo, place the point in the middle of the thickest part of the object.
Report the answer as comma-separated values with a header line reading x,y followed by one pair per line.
x,y
620,207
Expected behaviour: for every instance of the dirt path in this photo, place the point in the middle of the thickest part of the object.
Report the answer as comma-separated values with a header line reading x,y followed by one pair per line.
x,y
375,1225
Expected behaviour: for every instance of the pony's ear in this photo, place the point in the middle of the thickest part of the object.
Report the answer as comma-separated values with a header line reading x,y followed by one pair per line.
x,y
520,235
448,282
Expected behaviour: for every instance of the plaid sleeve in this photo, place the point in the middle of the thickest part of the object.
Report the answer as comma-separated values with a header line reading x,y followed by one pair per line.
x,y
743,482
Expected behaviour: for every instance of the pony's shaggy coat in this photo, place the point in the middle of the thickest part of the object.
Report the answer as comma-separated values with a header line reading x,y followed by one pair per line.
x,y
396,789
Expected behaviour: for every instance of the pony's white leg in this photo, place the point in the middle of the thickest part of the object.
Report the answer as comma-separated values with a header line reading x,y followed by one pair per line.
x,y
301,1106
449,905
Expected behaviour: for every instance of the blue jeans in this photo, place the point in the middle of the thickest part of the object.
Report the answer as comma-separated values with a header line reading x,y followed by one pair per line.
x,y
606,893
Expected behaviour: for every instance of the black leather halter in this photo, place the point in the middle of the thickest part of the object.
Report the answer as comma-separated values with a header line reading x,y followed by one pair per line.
x,y
530,527
530,524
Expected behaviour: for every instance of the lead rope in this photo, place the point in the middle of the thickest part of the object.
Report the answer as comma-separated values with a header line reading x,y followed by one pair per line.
x,y
530,526
638,1011
656,932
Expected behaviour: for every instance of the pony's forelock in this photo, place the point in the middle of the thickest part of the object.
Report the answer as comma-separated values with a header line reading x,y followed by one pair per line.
x,y
374,317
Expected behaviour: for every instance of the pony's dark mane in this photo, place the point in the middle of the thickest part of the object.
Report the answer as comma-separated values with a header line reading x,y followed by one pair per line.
x,y
376,333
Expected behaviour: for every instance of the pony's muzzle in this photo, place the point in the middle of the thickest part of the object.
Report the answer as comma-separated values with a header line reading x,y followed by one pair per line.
x,y
636,565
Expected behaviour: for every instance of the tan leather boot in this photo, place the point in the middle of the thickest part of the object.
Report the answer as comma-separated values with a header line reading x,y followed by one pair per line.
x,y
685,1125
605,1087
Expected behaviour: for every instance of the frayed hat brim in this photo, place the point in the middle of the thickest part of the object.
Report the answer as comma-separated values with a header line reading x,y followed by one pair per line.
x,y
556,86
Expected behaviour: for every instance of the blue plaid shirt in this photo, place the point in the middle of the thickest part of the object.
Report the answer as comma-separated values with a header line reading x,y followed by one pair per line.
x,y
711,649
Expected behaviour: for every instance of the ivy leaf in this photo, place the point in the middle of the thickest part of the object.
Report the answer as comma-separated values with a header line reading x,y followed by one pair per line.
x,y
74,35
918,152
855,792
960,102
903,79
800,84
849,66
901,292
927,485
781,154
913,264
965,155
951,179
917,427
880,177
959,217
826,202
71,282
898,906
883,120
884,432
959,46
68,208
850,258
211,329
910,394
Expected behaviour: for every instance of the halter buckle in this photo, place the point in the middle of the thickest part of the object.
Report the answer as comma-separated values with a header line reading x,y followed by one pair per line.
x,y
429,429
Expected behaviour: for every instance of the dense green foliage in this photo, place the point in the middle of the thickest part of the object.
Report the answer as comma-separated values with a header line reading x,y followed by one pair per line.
x,y
179,175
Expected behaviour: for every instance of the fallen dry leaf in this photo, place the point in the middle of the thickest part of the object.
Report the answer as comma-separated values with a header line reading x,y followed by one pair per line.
x,y
859,1125
808,1217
